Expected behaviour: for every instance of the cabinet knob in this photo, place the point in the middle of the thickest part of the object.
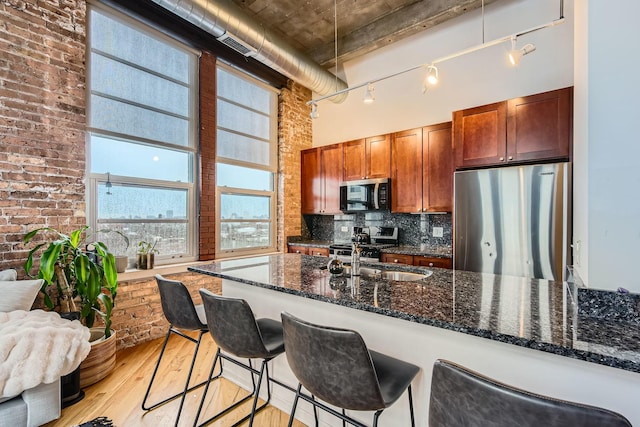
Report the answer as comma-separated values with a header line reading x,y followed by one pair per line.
x,y
430,264
510,157
502,159
297,252
395,260
363,177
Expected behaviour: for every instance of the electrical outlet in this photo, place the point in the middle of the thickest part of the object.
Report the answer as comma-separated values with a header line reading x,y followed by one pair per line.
x,y
344,229
438,232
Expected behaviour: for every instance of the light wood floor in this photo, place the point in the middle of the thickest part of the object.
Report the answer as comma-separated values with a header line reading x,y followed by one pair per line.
x,y
119,395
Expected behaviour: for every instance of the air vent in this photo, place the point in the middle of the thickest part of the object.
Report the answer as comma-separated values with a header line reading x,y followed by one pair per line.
x,y
236,45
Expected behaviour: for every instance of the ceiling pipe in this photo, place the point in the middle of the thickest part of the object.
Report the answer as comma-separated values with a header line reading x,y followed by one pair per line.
x,y
231,26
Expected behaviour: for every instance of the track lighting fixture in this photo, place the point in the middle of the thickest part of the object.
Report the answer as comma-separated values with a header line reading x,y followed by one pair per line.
x,y
368,95
314,111
515,54
108,185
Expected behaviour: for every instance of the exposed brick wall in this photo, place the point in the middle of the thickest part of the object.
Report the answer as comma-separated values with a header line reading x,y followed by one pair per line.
x,y
207,224
42,149
294,134
42,120
137,316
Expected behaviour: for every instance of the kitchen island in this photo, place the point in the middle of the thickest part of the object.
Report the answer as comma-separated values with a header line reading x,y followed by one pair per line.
x,y
534,334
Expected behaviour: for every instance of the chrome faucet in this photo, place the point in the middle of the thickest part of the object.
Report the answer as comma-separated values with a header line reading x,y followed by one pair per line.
x,y
355,259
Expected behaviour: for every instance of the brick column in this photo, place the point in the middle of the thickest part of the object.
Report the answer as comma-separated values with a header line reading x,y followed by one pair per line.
x,y
294,135
207,224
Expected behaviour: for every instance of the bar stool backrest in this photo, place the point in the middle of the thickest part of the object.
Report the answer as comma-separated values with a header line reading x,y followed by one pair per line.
x,y
177,305
333,364
233,326
460,397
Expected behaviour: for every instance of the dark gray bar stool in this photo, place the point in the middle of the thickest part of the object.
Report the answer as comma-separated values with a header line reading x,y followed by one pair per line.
x,y
461,397
181,313
237,332
336,367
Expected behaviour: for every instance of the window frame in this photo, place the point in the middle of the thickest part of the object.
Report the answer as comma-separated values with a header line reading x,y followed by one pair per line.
x,y
93,180
272,168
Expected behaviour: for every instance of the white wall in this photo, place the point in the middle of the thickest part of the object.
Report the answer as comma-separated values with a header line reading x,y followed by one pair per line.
x,y
471,80
611,255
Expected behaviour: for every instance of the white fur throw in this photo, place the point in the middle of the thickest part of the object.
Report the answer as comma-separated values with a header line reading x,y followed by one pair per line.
x,y
38,347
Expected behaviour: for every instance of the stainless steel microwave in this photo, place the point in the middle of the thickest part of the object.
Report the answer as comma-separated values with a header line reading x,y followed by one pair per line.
x,y
365,195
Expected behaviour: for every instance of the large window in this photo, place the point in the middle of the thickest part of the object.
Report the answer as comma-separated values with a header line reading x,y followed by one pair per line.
x,y
246,164
142,123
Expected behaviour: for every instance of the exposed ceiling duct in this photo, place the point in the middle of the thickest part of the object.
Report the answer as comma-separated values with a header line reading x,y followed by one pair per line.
x,y
231,26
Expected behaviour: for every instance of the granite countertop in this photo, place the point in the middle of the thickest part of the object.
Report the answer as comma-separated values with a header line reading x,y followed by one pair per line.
x,y
310,243
431,251
556,317
423,250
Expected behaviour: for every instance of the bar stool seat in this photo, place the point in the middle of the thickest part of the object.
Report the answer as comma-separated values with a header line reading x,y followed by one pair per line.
x,y
461,397
336,367
238,333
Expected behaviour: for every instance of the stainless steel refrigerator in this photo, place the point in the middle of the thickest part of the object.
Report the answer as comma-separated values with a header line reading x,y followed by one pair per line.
x,y
513,220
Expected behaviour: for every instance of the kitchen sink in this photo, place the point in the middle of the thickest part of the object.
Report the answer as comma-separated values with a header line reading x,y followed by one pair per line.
x,y
403,276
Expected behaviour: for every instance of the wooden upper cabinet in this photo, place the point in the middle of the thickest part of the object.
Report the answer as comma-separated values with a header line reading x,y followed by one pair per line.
x,y
480,135
321,174
378,156
526,129
539,126
406,171
367,158
354,160
331,171
311,191
437,168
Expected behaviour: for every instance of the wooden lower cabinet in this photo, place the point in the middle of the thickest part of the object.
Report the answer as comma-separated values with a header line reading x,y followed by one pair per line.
x,y
417,260
293,249
308,250
397,259
319,251
425,261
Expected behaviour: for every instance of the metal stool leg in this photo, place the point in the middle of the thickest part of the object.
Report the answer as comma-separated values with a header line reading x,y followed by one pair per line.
x,y
155,370
413,421
295,405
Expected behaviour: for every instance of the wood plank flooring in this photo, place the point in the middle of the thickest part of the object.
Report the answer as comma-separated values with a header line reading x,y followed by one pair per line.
x,y
119,395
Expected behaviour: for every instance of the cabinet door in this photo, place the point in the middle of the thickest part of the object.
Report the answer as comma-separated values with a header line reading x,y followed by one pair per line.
x,y
354,160
311,181
378,156
437,168
480,135
406,171
539,126
425,261
397,259
331,167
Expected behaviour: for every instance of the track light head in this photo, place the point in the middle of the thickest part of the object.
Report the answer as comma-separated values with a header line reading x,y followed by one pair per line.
x,y
314,111
432,75
368,95
515,54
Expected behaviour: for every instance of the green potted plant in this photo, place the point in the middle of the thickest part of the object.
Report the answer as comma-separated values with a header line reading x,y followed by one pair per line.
x,y
76,272
146,257
83,273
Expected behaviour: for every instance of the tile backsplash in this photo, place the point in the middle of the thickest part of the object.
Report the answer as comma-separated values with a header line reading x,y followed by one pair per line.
x,y
414,229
